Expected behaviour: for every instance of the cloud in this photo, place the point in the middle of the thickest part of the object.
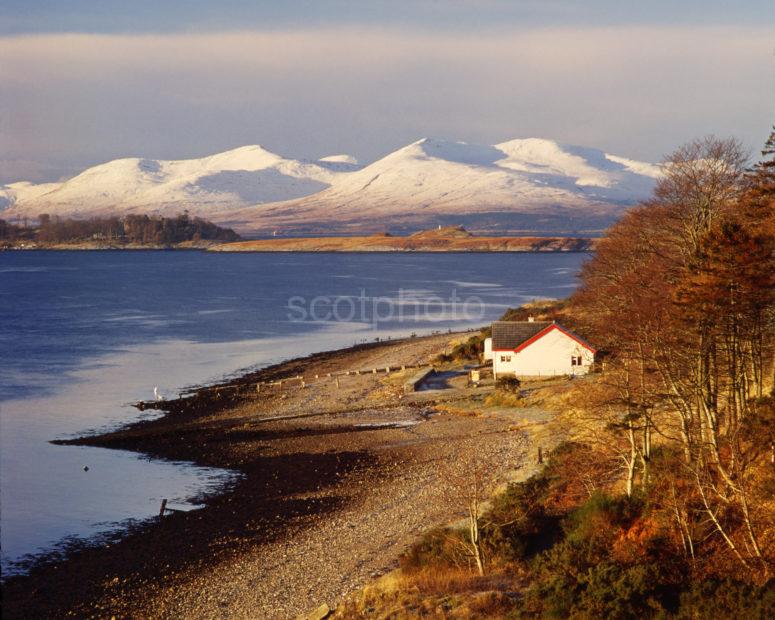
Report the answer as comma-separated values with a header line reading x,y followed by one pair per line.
x,y
638,91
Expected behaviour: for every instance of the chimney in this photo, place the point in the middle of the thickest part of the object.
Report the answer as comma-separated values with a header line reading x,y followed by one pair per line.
x,y
530,319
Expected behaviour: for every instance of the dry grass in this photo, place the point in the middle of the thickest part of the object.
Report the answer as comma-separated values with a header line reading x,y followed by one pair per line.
x,y
499,398
451,580
433,593
397,377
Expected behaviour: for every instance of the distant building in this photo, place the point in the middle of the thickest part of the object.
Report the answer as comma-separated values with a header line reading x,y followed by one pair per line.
x,y
536,349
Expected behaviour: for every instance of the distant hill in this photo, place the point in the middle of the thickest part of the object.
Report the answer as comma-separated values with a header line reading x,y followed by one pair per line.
x,y
528,185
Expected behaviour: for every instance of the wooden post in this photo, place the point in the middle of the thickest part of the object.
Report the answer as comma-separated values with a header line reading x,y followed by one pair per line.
x,y
163,507
337,383
258,388
540,456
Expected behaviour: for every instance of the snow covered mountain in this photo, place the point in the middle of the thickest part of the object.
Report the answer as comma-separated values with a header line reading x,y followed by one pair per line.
x,y
529,184
245,176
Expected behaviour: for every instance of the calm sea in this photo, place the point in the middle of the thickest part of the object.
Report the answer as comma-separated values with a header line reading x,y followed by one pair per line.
x,y
82,334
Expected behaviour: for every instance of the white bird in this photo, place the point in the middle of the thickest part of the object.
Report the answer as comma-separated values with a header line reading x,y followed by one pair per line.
x,y
156,394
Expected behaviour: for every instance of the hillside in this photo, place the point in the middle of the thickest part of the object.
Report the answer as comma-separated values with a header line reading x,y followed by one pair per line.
x,y
519,185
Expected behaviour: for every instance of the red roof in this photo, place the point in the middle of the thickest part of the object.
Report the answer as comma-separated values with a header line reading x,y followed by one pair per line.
x,y
544,332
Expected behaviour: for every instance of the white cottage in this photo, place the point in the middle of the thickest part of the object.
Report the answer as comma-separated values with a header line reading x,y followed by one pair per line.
x,y
536,349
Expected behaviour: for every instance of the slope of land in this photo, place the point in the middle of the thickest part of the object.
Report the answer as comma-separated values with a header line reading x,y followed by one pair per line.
x,y
450,239
529,184
326,500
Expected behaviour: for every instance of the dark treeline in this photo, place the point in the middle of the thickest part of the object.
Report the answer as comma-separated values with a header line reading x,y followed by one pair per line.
x,y
138,229
13,232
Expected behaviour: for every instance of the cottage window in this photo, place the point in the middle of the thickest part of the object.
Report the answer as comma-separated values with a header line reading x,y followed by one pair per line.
x,y
575,360
505,358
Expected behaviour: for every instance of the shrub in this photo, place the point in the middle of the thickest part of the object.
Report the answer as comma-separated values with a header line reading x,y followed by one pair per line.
x,y
508,384
577,469
588,553
615,591
517,525
540,310
471,349
504,399
598,520
437,547
727,599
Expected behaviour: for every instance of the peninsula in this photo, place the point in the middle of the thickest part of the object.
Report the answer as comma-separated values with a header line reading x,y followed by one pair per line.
x,y
447,239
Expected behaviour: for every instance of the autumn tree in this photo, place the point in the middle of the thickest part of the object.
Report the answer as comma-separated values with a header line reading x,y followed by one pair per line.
x,y
681,294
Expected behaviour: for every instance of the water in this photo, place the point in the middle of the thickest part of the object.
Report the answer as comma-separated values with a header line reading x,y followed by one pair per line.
x,y
84,333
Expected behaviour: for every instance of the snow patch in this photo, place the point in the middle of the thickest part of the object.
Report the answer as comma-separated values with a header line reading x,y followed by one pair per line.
x,y
340,159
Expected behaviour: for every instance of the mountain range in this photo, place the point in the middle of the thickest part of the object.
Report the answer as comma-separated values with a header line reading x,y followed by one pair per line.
x,y
520,185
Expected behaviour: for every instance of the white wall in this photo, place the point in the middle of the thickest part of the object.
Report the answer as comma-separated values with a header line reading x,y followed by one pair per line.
x,y
548,356
488,348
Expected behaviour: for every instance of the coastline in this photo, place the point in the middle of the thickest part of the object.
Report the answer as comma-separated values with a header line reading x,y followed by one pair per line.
x,y
301,249
449,239
358,470
429,241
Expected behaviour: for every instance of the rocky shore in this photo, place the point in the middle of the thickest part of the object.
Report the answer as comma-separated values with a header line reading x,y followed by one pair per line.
x,y
336,481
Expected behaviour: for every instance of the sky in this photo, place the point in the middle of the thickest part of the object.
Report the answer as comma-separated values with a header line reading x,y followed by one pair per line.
x,y
85,81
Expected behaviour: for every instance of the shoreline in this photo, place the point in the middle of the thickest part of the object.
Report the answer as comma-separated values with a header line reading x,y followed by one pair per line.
x,y
450,239
428,241
211,250
298,476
